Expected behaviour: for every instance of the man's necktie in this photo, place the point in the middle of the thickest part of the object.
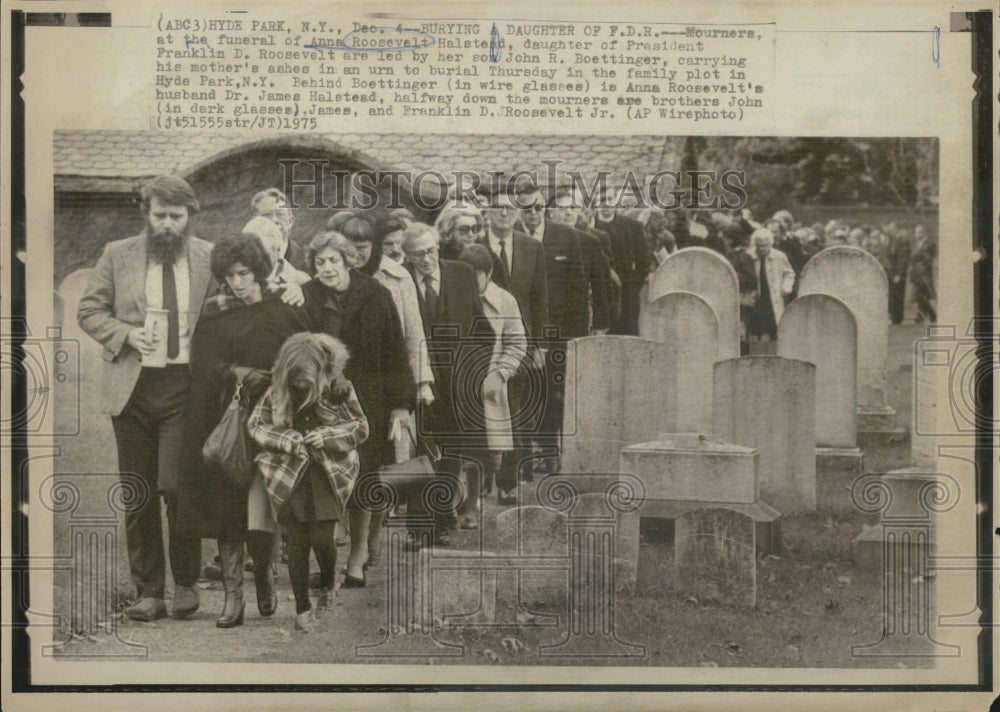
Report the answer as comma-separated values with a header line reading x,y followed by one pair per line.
x,y
170,304
504,262
430,296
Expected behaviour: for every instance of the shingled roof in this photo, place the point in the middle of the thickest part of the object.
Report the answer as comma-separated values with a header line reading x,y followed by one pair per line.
x,y
115,160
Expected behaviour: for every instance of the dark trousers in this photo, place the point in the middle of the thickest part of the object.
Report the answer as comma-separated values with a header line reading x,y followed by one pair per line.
x,y
149,434
627,323
897,296
303,536
554,397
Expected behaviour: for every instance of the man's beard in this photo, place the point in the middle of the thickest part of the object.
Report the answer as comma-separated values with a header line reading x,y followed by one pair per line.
x,y
165,245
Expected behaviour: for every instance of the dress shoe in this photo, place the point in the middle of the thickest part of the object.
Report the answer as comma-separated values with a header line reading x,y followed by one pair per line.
x,y
147,609
186,602
304,622
442,539
353,582
325,600
507,497
469,523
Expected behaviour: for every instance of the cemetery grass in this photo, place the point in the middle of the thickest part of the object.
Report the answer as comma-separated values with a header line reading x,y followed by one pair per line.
x,y
813,602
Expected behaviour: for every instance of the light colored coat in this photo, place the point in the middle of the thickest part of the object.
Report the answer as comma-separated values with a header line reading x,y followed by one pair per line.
x,y
780,278
394,277
114,303
509,352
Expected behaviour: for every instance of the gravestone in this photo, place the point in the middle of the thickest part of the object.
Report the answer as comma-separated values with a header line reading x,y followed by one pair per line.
x,y
687,324
71,289
684,472
857,279
618,392
709,275
715,556
692,468
821,330
769,403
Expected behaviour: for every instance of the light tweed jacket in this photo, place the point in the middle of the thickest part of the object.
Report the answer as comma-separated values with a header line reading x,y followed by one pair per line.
x,y
114,303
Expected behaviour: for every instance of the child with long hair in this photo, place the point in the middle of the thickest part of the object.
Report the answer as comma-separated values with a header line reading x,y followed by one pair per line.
x,y
309,425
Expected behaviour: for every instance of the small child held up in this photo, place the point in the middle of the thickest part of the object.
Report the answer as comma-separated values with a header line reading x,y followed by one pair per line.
x,y
309,425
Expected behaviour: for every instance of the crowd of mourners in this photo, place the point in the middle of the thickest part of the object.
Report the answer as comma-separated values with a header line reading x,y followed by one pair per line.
x,y
377,340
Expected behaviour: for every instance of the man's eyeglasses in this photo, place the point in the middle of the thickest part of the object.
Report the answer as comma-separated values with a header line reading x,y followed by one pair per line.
x,y
421,254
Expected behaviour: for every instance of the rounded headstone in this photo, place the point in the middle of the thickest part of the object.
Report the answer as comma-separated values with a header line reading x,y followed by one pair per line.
x,y
709,275
857,279
71,290
688,325
821,330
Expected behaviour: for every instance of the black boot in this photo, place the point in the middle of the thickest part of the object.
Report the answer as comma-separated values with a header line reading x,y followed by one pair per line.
x,y
231,558
261,546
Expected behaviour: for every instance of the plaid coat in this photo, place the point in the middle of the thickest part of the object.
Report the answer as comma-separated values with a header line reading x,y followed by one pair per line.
x,y
284,457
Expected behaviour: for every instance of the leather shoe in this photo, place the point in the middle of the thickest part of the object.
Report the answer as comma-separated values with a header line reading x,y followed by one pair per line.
x,y
304,622
186,602
353,582
147,609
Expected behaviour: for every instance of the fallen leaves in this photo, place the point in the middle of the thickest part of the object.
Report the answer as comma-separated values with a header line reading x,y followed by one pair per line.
x,y
512,645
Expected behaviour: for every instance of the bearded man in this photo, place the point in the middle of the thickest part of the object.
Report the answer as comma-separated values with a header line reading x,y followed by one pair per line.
x,y
163,268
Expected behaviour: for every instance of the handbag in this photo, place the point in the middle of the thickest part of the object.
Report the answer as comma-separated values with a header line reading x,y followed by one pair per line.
x,y
409,477
229,445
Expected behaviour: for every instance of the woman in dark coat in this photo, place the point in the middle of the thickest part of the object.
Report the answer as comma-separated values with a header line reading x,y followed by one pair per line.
x,y
354,308
243,325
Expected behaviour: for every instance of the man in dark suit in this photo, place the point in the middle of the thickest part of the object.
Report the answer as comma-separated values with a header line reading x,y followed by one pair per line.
x,y
448,295
518,263
596,270
164,267
568,317
584,223
631,261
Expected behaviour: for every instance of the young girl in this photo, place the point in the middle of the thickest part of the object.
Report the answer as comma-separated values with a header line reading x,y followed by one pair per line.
x,y
309,424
